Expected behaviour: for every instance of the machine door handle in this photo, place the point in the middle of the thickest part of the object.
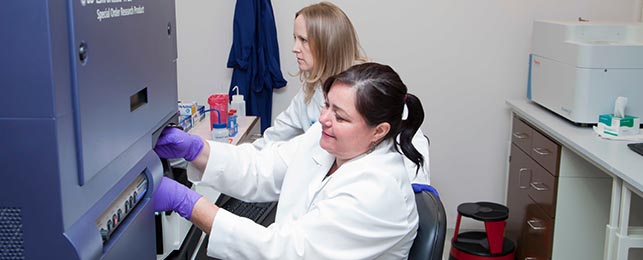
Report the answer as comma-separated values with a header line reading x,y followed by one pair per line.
x,y
542,151
536,224
539,186
520,135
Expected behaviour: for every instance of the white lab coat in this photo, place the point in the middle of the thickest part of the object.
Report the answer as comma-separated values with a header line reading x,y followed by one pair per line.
x,y
299,116
365,210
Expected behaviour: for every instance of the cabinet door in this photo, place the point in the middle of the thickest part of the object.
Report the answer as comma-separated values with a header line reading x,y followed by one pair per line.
x,y
546,152
542,189
536,240
520,171
522,135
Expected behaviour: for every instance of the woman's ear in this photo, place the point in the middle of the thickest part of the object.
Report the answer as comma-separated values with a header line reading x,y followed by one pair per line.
x,y
381,131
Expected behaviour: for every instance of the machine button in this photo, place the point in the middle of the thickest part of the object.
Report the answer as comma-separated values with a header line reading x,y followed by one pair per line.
x,y
104,234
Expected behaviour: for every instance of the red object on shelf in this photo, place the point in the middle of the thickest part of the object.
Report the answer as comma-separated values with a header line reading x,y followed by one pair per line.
x,y
218,102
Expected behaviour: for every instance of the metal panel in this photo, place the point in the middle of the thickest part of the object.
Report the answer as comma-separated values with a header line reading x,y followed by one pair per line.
x,y
127,52
72,138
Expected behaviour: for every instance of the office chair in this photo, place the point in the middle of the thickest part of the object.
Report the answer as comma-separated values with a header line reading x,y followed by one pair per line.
x,y
429,242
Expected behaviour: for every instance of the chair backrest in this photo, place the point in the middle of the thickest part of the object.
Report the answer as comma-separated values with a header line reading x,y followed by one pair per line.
x,y
429,242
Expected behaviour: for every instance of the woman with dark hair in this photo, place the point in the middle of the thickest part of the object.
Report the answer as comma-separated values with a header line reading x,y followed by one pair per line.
x,y
342,186
325,44
380,97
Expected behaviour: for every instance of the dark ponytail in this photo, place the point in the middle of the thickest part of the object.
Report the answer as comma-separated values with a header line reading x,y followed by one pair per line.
x,y
408,129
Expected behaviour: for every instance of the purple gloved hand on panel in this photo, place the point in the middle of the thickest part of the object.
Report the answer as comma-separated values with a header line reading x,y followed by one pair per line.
x,y
175,143
174,196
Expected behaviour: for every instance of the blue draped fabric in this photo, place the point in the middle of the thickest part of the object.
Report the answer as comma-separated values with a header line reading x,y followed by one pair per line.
x,y
254,57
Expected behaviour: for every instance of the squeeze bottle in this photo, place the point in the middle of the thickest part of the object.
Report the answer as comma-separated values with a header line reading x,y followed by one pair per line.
x,y
218,102
238,103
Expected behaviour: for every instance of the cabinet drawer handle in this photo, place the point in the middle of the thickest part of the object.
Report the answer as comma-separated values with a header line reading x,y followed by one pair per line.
x,y
520,135
539,186
542,151
536,224
530,258
520,181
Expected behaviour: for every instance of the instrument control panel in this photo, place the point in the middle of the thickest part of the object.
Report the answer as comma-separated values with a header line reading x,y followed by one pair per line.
x,y
112,217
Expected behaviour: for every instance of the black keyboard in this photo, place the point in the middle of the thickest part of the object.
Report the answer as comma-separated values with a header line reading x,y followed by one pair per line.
x,y
255,211
259,212
637,147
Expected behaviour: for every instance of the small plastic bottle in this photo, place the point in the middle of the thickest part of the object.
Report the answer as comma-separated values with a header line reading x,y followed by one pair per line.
x,y
233,127
219,130
238,103
220,133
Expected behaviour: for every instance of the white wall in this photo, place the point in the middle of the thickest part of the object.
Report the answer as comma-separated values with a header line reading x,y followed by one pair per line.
x,y
462,58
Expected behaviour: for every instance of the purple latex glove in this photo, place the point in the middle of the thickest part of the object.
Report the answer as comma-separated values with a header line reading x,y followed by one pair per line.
x,y
174,143
174,196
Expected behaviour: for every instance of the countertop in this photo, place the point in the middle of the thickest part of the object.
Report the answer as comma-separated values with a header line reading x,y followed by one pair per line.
x,y
611,156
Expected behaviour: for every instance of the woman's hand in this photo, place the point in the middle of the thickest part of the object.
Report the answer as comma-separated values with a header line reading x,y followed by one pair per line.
x,y
173,196
174,143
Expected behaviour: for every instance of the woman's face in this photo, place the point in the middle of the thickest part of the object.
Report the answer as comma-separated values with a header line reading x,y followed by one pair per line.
x,y
301,48
344,131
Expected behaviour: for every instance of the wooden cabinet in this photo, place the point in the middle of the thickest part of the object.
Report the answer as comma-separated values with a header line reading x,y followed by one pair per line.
x,y
537,236
533,177
552,196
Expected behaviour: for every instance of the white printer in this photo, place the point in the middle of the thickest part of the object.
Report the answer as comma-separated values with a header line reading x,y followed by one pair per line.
x,y
578,69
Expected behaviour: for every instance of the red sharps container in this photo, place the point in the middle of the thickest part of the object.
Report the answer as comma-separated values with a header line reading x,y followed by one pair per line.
x,y
218,102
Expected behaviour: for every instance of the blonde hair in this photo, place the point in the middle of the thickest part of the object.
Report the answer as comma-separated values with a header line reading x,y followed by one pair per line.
x,y
333,42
